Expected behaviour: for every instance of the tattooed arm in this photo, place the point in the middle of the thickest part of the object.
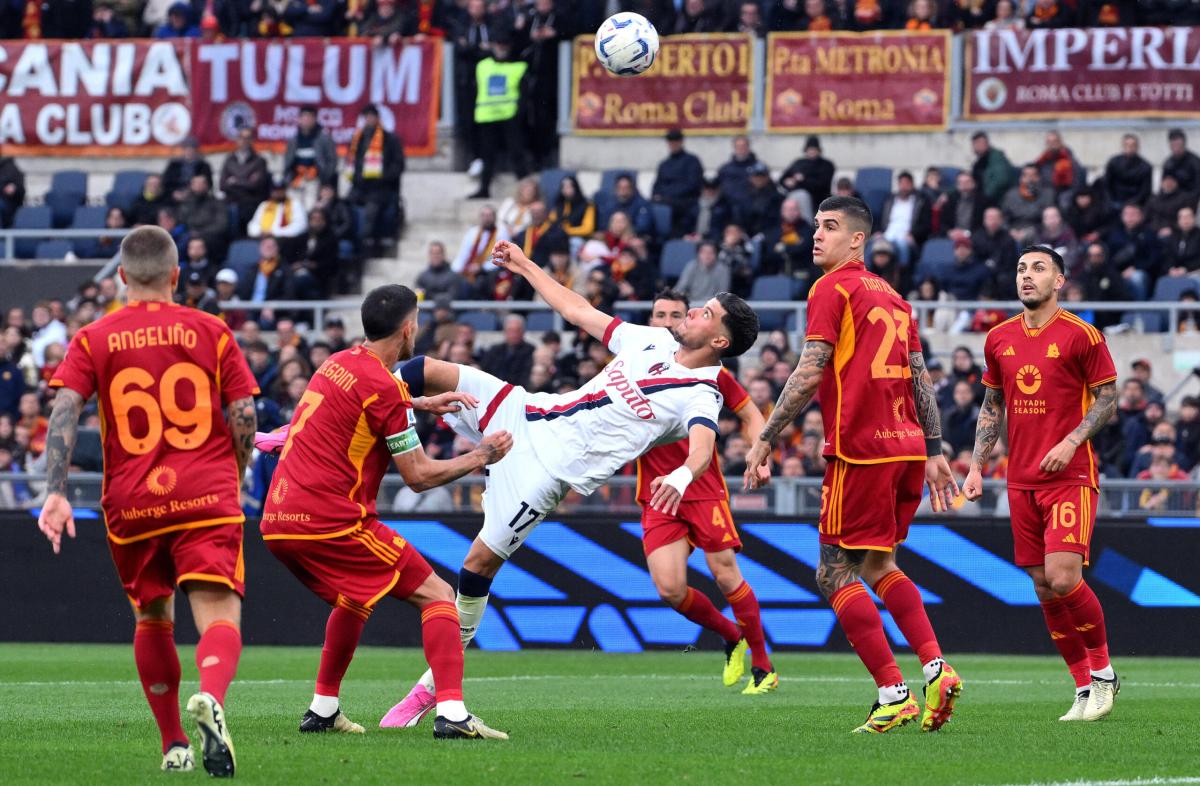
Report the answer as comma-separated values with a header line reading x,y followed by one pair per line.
x,y
242,421
927,406
987,433
1102,408
60,443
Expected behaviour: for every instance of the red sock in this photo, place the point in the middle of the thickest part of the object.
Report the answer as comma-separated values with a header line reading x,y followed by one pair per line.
x,y
1088,618
745,609
864,629
1067,640
342,632
903,600
443,648
217,657
158,668
699,609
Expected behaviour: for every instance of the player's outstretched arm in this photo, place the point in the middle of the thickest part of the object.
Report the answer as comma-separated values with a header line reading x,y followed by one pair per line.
x,y
573,306
801,386
242,420
1098,414
942,488
60,443
667,490
987,433
422,473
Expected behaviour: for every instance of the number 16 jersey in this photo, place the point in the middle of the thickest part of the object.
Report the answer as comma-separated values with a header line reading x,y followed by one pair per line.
x,y
163,374
866,392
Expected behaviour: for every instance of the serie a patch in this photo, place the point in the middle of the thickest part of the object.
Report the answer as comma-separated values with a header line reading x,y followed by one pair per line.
x,y
403,442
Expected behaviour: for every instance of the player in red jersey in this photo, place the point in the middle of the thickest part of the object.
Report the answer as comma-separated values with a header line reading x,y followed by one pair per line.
x,y
883,441
320,520
1052,374
705,521
177,414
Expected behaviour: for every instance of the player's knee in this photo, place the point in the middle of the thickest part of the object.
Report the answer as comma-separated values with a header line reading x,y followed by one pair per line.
x,y
437,589
1062,582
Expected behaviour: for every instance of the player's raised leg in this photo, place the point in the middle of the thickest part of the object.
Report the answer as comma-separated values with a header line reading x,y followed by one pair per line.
x,y
217,610
159,672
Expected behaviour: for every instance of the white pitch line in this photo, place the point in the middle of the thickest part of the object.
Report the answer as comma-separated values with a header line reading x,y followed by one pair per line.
x,y
1135,782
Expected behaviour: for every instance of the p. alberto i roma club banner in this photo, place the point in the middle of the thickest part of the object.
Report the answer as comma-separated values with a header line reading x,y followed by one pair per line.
x,y
856,82
1103,72
700,82
137,98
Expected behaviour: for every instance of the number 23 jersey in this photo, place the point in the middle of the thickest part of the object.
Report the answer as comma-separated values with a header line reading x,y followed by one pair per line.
x,y
163,375
866,392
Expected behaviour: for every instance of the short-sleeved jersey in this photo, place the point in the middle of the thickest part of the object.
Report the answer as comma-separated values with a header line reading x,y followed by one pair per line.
x,y
642,398
163,374
1047,376
867,390
353,416
665,459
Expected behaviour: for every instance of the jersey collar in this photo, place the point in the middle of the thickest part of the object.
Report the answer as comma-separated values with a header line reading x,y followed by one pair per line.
x,y
1035,332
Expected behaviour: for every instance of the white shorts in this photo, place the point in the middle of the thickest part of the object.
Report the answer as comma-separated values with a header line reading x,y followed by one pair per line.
x,y
519,490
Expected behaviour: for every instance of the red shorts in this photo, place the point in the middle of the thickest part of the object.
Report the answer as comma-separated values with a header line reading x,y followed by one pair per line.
x,y
151,568
363,566
707,524
1056,518
869,506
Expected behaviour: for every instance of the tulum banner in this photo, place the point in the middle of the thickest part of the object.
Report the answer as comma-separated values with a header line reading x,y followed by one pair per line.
x,y
1097,73
142,98
699,82
858,82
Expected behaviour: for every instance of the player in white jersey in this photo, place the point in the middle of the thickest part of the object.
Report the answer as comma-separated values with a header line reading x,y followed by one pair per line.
x,y
660,387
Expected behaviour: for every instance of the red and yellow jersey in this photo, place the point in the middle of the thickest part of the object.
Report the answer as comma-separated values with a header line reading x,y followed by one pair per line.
x,y
1047,376
163,374
353,416
866,392
664,459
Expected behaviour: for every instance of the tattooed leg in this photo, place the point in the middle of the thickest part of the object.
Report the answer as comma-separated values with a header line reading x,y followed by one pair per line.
x,y
838,567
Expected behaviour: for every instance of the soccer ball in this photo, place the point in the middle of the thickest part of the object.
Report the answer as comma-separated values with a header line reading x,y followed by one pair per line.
x,y
626,44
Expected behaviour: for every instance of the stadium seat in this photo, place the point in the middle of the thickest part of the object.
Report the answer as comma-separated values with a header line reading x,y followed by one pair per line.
x,y
1171,288
936,256
126,186
88,217
480,320
52,249
675,256
539,321
771,288
62,206
873,178
30,218
949,176
550,180
662,219
608,179
70,181
242,253
756,253
875,199
1152,321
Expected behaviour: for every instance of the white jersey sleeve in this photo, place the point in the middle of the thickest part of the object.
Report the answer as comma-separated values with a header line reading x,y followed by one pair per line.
x,y
620,336
703,408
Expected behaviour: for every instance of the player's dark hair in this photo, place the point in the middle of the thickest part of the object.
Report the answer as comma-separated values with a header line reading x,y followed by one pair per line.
x,y
741,322
674,295
1055,257
385,308
857,214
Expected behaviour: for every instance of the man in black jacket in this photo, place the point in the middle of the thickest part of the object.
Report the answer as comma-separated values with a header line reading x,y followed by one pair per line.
x,y
812,173
762,206
964,206
1183,164
376,158
311,158
680,178
12,189
958,422
512,359
734,175
1101,282
1182,246
245,179
1127,176
995,247
178,174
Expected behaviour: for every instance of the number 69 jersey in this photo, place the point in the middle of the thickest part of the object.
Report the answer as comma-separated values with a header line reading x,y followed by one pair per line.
x,y
867,390
163,375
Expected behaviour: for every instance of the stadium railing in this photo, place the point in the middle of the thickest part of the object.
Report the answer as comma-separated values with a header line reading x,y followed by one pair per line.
x,y
793,497
9,237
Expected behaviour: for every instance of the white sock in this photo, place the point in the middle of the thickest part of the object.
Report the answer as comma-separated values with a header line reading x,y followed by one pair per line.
x,y
325,706
932,668
470,615
1080,691
452,710
1105,673
890,694
427,680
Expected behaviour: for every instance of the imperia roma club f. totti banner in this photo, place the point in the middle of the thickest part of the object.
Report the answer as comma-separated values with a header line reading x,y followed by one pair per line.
x,y
136,97
698,82
855,82
1102,72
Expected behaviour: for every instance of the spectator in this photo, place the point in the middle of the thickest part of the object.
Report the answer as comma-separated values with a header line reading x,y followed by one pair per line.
x,y
179,23
12,378
1120,13
1161,469
922,16
437,279
281,217
197,294
168,219
661,13
152,199
341,215
441,329
1024,203
226,286
958,422
733,178
965,279
632,204
750,20
1127,176
106,24
788,15
1142,373
46,330
963,209
1048,15
1101,282
603,250
270,280
991,170
319,258
104,247
177,177
633,273
763,204
318,19
376,160
714,212
1006,18
883,263
737,254
1188,429
1183,245
546,29
704,276
1056,234
970,14
1135,251
574,212
472,43
679,180
762,396
498,124
697,18
540,235
204,215
1162,209
12,190
474,257
514,211
310,160
1161,440
1087,214
1182,164
817,17
812,173
197,261
562,269
334,331
963,368
600,290
787,245
905,219
1058,166
245,179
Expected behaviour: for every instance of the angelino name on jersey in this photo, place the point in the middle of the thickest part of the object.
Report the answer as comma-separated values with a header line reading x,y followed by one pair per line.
x,y
630,393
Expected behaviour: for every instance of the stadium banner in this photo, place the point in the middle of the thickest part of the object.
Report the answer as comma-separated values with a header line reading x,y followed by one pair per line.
x,y
1103,72
700,82
142,98
264,83
583,584
858,82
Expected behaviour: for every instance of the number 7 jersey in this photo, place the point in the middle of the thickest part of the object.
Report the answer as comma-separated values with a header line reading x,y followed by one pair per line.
x,y
866,392
163,375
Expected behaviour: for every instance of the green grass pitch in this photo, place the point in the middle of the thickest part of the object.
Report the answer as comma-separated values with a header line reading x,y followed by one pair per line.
x,y
75,714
